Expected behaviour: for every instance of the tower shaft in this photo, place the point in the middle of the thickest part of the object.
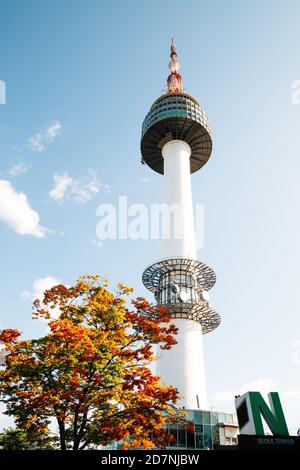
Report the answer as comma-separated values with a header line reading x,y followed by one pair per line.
x,y
178,197
183,366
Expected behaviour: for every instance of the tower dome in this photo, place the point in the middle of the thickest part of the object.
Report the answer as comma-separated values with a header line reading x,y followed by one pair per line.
x,y
176,115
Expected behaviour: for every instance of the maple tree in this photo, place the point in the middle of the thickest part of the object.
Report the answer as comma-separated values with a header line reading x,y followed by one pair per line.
x,y
91,371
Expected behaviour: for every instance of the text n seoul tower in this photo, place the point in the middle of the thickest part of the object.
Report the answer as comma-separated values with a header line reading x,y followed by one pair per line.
x,y
176,141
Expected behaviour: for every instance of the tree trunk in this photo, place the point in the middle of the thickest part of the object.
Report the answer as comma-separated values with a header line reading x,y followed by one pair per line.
x,y
76,444
61,427
79,435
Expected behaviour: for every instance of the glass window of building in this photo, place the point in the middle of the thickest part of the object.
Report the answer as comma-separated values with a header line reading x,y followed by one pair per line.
x,y
181,437
190,439
207,437
198,417
199,437
206,417
215,435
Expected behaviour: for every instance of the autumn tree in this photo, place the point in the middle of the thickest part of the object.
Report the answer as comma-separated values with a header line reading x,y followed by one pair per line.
x,y
91,372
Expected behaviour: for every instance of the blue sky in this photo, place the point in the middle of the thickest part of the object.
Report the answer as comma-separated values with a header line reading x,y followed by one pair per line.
x,y
80,77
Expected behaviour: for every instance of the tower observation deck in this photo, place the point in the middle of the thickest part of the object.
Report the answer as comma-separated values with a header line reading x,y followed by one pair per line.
x,y
176,116
176,141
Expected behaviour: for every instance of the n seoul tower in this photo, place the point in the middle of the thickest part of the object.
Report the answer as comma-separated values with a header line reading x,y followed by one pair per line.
x,y
176,141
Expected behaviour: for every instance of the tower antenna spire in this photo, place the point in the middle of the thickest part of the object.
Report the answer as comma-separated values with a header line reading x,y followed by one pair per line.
x,y
174,81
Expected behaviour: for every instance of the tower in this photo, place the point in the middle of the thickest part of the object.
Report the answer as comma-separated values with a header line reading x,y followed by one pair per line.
x,y
176,141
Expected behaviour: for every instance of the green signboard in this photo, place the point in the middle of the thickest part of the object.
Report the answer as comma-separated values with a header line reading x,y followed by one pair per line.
x,y
251,409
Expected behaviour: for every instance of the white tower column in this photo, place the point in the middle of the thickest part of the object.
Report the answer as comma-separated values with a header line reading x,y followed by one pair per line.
x,y
183,365
178,197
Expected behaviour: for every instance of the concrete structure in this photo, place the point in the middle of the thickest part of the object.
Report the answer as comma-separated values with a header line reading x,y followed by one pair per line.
x,y
176,141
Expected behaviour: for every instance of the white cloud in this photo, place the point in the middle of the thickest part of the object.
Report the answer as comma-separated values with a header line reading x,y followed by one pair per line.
x,y
15,210
82,190
40,141
41,285
262,385
61,185
36,143
53,131
86,188
18,169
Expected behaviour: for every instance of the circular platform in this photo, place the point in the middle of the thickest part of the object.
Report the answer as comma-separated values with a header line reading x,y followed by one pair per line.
x,y
176,116
208,318
201,313
177,284
206,277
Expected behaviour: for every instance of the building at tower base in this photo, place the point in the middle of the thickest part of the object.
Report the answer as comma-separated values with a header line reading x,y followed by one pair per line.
x,y
206,430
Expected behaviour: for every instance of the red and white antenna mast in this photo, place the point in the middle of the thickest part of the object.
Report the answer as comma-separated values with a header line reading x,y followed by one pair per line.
x,y
174,79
